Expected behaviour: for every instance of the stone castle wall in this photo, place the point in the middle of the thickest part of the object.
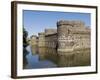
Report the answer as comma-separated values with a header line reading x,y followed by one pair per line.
x,y
34,40
69,36
72,35
50,31
41,39
50,38
51,41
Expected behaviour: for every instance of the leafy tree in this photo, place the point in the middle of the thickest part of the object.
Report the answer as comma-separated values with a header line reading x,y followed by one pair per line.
x,y
25,34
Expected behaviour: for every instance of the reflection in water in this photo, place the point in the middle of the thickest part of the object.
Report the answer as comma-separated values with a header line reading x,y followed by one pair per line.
x,y
42,53
25,62
76,58
37,60
34,50
52,55
49,57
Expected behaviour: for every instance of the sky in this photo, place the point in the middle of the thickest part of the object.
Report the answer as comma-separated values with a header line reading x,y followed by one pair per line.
x,y
36,21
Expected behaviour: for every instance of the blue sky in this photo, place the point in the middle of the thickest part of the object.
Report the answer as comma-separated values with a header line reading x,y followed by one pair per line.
x,y
36,21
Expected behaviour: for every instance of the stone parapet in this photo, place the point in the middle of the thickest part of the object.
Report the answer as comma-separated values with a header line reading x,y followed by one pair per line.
x,y
50,31
78,31
72,23
42,33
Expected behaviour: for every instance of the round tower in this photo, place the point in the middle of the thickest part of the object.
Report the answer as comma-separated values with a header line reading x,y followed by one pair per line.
x,y
65,41
71,34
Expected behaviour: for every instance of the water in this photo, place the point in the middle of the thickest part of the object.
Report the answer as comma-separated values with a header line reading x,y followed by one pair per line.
x,y
35,57
35,61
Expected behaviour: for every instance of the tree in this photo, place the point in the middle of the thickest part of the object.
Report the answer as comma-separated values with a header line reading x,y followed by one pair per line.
x,y
25,34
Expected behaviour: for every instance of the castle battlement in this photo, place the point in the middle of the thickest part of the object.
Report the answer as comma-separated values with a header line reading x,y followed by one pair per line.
x,y
33,36
72,35
41,33
50,31
72,23
69,36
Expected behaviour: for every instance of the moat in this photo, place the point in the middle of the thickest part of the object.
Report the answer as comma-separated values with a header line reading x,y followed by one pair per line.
x,y
67,46
36,58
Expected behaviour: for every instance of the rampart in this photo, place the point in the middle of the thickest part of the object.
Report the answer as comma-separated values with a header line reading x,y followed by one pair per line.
x,y
69,36
72,35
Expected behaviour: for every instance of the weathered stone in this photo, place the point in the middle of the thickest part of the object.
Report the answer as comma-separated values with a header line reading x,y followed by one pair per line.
x,y
41,40
69,36
50,31
51,41
34,40
72,35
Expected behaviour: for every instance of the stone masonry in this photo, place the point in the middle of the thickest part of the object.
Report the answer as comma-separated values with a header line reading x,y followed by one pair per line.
x,y
41,39
72,35
34,40
69,36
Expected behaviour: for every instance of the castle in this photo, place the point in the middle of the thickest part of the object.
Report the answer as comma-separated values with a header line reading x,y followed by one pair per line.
x,y
69,36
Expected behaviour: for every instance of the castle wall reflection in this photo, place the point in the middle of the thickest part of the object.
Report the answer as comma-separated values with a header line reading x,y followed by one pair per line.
x,y
41,57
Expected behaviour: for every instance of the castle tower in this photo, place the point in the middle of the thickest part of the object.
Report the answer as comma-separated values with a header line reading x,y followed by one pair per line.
x,y
34,40
71,35
34,44
41,40
63,32
51,38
